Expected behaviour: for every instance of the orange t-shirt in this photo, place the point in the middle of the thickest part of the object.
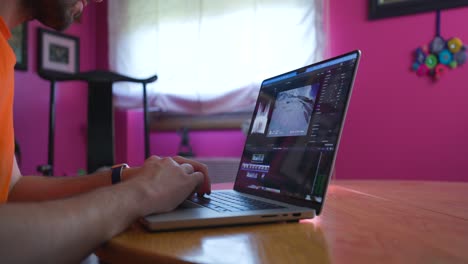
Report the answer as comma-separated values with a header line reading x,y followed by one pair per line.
x,y
7,141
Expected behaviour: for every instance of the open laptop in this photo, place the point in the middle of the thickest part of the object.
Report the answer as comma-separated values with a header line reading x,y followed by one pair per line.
x,y
289,152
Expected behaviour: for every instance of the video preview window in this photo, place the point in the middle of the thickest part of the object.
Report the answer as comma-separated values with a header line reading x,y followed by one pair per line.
x,y
292,111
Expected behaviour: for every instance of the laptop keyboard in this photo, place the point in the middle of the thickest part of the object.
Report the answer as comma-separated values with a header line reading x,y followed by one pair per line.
x,y
232,202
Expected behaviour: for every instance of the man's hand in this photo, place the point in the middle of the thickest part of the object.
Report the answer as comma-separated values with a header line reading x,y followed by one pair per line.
x,y
167,182
205,187
160,185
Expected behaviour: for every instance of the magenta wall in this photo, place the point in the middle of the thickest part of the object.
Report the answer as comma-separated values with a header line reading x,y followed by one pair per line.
x,y
399,125
32,100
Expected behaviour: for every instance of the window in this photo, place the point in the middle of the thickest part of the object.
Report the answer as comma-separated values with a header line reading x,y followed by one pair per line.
x,y
210,55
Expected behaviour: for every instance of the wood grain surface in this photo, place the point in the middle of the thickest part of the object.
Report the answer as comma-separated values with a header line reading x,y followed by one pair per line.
x,y
363,222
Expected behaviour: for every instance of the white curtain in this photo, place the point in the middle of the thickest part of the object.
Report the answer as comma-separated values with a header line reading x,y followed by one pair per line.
x,y
210,55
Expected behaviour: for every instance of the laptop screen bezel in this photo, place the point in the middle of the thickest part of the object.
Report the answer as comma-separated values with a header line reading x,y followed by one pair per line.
x,y
317,206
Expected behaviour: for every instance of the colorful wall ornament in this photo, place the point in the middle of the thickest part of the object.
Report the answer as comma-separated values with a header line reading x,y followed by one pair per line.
x,y
440,55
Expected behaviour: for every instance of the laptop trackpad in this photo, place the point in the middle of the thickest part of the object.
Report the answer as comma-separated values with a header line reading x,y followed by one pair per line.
x,y
188,205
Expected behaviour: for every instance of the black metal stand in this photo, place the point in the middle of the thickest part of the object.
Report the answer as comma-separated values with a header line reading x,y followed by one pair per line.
x,y
100,151
146,122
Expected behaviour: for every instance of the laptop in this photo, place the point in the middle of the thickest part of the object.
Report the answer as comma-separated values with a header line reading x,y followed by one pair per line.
x,y
288,156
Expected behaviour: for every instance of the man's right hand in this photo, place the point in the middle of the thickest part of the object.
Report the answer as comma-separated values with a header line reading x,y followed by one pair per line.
x,y
165,183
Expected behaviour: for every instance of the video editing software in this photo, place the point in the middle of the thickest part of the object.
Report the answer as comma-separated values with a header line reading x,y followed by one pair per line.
x,y
294,133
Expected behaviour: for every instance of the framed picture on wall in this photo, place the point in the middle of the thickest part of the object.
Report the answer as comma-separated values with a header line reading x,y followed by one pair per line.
x,y
57,52
19,43
390,8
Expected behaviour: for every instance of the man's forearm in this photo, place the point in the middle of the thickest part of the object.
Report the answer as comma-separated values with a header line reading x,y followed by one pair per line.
x,y
42,232
40,188
65,231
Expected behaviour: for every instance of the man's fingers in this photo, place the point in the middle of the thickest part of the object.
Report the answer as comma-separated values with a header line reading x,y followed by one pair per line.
x,y
205,187
198,166
194,168
153,158
188,168
198,178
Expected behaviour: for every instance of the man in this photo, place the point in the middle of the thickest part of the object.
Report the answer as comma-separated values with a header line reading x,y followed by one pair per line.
x,y
82,212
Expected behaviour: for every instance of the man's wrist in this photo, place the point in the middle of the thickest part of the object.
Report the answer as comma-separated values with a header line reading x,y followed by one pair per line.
x,y
117,171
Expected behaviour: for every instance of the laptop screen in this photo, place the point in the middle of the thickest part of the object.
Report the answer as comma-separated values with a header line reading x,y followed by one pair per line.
x,y
294,134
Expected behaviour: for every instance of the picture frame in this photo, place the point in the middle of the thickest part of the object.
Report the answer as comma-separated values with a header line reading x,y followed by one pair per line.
x,y
19,44
390,8
58,52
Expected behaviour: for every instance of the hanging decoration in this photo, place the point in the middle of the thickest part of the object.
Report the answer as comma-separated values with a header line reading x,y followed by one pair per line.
x,y
440,55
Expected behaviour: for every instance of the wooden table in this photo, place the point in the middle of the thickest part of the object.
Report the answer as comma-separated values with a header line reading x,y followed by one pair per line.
x,y
363,222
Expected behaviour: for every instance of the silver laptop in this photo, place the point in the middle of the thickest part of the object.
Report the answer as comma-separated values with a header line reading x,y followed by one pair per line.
x,y
289,152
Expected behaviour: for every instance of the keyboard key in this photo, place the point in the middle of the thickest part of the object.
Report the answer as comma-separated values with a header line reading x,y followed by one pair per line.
x,y
232,202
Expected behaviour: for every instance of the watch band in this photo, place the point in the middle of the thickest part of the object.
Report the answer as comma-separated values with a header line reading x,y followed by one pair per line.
x,y
116,174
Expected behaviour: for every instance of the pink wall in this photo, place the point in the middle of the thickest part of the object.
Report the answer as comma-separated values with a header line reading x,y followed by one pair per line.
x,y
32,100
31,112
400,125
